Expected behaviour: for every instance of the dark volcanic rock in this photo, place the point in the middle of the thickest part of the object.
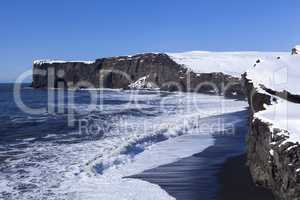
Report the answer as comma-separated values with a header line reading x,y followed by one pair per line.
x,y
272,164
119,72
69,74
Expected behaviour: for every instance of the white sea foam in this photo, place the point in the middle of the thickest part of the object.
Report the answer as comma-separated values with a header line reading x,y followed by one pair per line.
x,y
112,185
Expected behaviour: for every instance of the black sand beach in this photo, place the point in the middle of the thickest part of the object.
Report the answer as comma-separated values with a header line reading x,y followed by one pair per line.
x,y
236,182
219,172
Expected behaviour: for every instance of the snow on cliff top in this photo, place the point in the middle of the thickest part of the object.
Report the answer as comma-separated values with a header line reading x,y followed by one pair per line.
x,y
280,74
231,63
277,74
297,47
47,61
283,115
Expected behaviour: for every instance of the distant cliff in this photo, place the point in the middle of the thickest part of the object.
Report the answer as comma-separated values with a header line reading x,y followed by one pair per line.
x,y
127,72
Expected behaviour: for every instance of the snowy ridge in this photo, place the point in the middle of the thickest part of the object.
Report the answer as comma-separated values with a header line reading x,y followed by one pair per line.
x,y
231,63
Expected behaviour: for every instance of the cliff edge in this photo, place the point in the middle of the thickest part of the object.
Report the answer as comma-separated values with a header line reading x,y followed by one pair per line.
x,y
273,141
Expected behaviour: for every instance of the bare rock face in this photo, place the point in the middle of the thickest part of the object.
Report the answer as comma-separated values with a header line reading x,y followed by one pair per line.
x,y
158,70
273,164
296,50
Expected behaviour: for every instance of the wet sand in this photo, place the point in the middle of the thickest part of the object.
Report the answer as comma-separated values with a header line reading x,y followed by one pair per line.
x,y
236,182
212,174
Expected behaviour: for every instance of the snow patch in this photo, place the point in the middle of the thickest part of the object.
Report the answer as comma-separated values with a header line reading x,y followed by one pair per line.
x,y
142,83
285,116
292,147
272,152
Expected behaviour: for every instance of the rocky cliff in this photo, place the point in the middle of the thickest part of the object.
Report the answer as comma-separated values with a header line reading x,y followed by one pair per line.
x,y
296,50
274,162
155,70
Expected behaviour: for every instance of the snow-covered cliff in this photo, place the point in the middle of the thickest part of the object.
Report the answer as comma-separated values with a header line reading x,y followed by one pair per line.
x,y
274,140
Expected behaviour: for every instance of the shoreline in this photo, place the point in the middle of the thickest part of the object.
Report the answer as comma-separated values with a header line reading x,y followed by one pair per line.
x,y
208,174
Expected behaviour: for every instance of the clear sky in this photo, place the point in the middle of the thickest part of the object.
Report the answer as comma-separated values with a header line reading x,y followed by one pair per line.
x,y
89,29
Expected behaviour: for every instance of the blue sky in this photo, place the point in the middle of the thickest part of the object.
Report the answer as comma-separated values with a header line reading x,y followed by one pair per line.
x,y
83,30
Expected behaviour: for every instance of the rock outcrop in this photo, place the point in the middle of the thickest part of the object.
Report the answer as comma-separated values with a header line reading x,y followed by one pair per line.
x,y
273,163
158,70
296,50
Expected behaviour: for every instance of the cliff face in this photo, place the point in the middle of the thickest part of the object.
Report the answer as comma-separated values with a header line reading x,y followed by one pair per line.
x,y
296,50
54,75
119,72
273,163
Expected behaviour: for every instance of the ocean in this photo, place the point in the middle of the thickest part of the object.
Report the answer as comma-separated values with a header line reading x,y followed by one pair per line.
x,y
89,144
